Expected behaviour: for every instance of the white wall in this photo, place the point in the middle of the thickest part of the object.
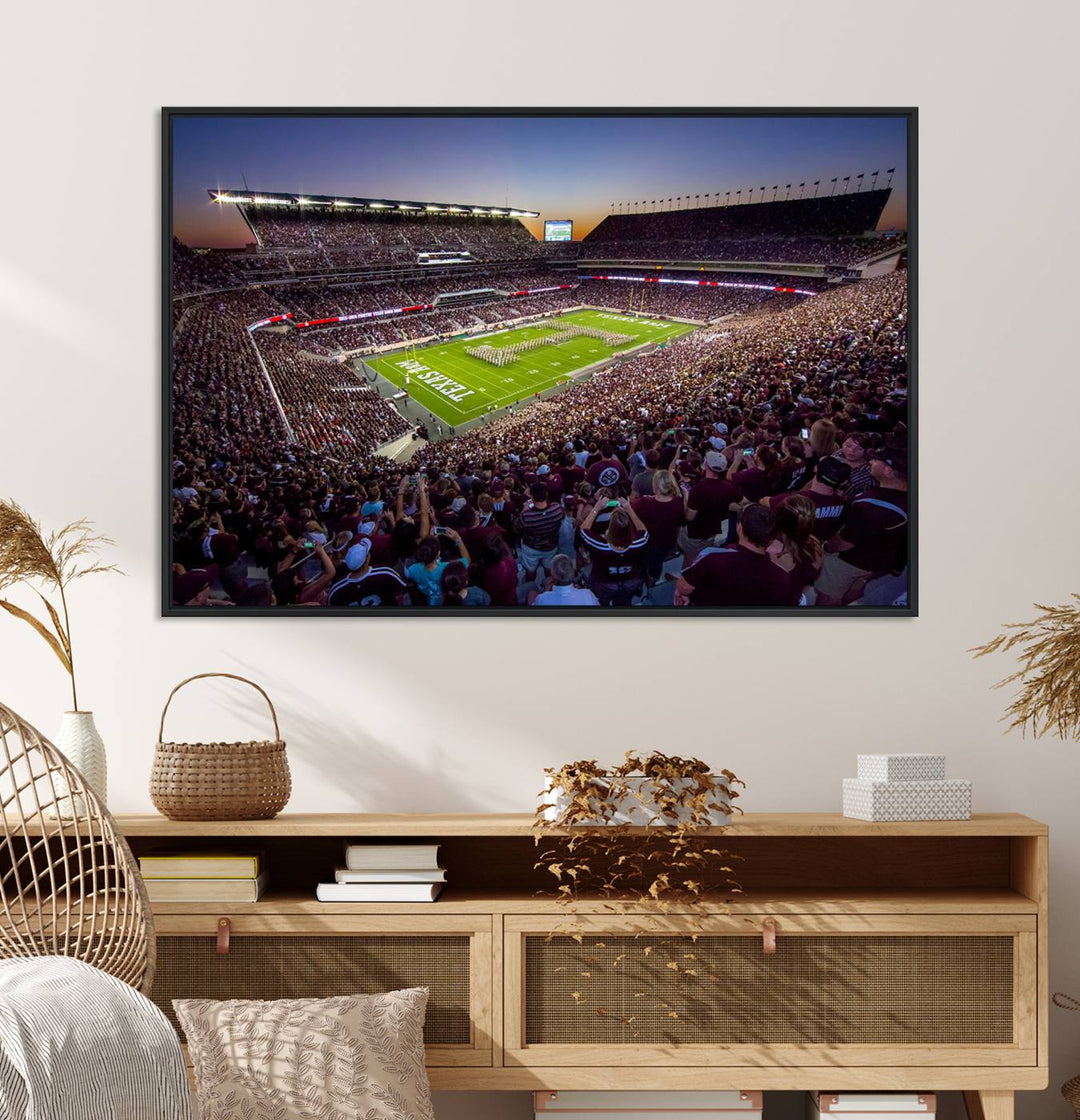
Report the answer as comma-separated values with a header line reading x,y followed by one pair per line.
x,y
463,714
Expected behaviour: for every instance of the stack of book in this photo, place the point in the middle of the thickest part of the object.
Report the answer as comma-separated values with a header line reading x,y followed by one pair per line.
x,y
386,873
204,876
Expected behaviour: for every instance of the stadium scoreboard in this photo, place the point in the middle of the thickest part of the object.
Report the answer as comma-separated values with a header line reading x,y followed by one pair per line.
x,y
561,229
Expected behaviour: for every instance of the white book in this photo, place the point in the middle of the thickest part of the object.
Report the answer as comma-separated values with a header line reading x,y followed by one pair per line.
x,y
378,892
375,857
397,875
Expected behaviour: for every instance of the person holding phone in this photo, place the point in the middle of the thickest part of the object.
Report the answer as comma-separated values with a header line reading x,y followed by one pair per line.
x,y
290,586
758,473
427,569
618,556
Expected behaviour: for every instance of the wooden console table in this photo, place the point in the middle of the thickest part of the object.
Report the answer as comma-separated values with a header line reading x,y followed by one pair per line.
x,y
908,956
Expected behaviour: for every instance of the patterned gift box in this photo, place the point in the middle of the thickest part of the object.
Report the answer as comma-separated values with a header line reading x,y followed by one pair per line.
x,y
902,767
948,800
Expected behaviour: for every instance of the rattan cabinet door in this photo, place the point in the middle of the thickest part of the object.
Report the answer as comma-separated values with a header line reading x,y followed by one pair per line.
x,y
286,957
849,990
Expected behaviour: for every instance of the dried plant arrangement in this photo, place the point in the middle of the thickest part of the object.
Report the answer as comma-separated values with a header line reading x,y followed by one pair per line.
x,y
592,849
588,843
1049,674
48,564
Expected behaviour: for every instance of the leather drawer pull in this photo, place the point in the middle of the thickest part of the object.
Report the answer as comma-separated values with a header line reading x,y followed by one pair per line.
x,y
224,928
768,936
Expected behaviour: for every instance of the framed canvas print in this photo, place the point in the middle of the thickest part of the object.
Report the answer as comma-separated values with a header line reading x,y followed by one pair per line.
x,y
528,361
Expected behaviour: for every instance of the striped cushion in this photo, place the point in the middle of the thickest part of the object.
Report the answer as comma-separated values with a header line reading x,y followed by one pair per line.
x,y
77,1042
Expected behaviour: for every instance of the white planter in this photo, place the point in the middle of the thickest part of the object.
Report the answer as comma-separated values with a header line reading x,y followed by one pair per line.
x,y
78,740
636,808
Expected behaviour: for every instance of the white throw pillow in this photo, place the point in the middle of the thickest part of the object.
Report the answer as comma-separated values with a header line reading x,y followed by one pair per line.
x,y
343,1058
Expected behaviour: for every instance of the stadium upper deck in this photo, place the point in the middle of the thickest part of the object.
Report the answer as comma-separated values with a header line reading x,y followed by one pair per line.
x,y
822,231
313,235
386,231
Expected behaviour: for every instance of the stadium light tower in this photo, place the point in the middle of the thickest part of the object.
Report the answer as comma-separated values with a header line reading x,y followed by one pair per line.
x,y
889,171
774,190
802,187
788,195
873,180
727,198
833,191
847,181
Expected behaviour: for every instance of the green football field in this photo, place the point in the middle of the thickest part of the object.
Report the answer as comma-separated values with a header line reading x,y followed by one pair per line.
x,y
459,387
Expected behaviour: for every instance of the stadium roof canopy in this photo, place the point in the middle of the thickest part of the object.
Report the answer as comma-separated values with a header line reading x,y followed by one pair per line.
x,y
343,202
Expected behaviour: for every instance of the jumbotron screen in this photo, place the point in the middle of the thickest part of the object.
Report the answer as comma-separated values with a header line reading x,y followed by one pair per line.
x,y
561,230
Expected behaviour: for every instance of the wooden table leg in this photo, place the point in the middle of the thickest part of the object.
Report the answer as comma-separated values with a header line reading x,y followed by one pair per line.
x,y
989,1104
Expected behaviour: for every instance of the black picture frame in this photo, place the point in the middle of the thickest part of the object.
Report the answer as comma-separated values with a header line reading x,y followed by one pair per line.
x,y
170,114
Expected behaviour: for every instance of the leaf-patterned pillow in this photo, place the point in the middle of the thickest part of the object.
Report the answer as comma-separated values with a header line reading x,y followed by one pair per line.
x,y
343,1058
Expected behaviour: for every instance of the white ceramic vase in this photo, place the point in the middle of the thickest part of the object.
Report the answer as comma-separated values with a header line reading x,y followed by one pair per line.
x,y
78,740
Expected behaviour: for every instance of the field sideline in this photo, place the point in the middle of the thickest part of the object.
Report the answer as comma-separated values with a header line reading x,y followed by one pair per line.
x,y
458,388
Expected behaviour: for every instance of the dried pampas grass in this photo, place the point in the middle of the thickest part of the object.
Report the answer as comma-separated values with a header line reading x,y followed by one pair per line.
x,y
53,561
1049,673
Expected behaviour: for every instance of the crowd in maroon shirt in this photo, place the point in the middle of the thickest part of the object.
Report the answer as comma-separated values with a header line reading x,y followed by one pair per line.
x,y
693,476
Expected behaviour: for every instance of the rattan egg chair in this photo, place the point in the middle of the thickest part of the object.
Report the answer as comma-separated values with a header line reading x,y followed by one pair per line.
x,y
69,885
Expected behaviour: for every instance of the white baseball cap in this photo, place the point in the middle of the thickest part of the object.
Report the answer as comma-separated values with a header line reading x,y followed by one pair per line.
x,y
357,556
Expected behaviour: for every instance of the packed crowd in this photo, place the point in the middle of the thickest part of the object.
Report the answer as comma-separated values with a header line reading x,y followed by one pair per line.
x,y
776,250
760,463
701,304
198,272
822,231
392,238
221,404
328,410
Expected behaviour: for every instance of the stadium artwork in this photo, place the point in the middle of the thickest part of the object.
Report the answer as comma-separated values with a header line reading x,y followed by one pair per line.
x,y
517,361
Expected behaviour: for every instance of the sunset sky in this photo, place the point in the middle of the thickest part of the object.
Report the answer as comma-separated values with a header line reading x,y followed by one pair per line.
x,y
564,167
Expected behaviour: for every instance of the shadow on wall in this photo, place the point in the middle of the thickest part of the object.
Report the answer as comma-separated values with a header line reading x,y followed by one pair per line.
x,y
366,775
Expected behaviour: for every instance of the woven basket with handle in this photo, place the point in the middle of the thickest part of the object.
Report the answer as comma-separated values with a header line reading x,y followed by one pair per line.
x,y
220,781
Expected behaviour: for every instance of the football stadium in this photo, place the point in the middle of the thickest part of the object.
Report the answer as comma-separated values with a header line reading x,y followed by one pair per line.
x,y
416,404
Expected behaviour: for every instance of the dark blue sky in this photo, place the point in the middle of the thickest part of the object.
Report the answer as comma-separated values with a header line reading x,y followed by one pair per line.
x,y
565,167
